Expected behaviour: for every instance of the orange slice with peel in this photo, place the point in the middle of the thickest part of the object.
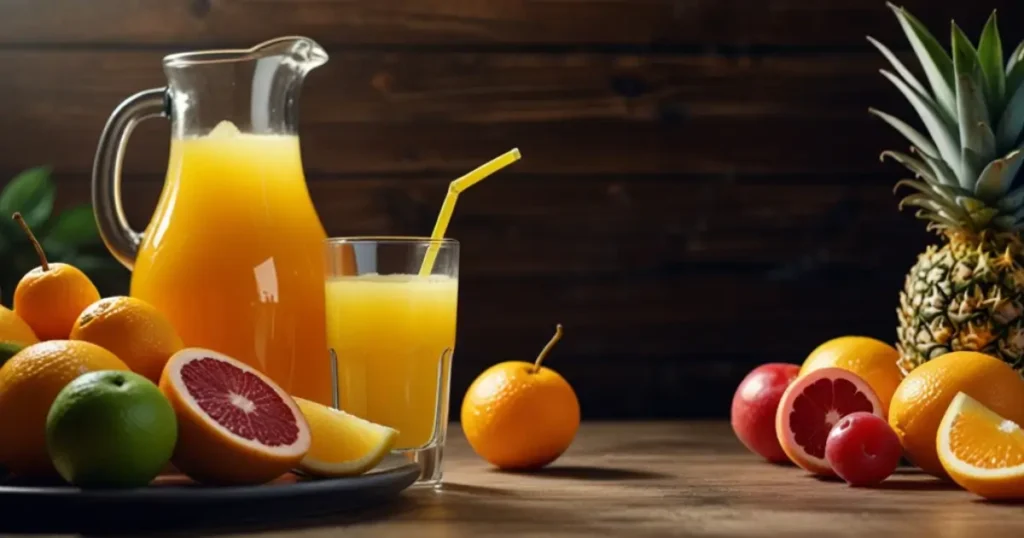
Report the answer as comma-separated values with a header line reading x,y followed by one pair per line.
x,y
343,444
235,425
981,451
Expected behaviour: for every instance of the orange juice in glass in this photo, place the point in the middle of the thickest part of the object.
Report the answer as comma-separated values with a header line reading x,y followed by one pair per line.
x,y
392,331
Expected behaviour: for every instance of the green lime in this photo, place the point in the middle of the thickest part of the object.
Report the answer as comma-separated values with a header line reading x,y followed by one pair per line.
x,y
8,350
110,429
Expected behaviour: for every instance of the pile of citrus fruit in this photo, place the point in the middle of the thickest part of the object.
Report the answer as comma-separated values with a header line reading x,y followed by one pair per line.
x,y
100,392
850,412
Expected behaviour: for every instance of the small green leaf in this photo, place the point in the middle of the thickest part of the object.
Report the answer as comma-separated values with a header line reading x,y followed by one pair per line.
x,y
938,192
968,75
990,56
1015,106
965,56
970,168
1015,58
919,167
1015,75
74,227
898,65
943,136
970,204
938,218
996,178
985,141
1011,125
909,78
30,192
930,203
937,65
920,186
923,144
983,216
977,144
941,170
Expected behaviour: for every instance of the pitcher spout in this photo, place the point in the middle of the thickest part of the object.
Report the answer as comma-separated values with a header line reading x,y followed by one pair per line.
x,y
255,89
305,52
298,50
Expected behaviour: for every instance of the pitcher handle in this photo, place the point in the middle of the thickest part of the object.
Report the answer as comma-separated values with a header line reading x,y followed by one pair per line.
x,y
122,241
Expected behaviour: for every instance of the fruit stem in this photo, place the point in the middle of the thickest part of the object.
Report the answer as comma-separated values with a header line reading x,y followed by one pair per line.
x,y
547,349
32,237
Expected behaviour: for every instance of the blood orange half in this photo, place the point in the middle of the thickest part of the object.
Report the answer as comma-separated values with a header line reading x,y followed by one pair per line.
x,y
235,426
811,406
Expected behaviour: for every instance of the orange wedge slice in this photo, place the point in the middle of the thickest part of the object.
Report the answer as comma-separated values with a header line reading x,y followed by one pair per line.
x,y
343,444
981,451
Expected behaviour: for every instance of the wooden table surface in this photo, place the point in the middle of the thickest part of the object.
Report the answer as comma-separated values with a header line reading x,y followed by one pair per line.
x,y
665,479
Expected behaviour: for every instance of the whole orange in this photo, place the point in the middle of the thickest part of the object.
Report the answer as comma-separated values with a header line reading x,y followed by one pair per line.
x,y
921,400
29,383
872,360
518,415
14,329
133,330
50,297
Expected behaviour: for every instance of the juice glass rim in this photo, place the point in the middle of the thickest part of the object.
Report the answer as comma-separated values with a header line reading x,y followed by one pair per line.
x,y
397,239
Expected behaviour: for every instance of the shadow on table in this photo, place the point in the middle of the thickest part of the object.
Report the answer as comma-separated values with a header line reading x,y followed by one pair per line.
x,y
1009,503
933,484
902,479
909,471
588,472
477,490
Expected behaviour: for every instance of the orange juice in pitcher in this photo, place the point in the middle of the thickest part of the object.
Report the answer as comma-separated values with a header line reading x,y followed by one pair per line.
x,y
234,252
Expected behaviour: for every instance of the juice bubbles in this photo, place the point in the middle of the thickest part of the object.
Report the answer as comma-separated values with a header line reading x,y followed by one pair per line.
x,y
234,256
389,333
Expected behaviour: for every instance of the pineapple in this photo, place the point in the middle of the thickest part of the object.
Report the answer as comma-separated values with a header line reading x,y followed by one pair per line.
x,y
968,293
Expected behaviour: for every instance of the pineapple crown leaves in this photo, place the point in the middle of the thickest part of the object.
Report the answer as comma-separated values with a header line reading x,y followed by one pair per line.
x,y
972,109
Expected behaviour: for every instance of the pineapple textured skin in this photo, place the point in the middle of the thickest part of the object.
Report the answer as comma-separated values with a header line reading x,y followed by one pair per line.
x,y
967,183
967,295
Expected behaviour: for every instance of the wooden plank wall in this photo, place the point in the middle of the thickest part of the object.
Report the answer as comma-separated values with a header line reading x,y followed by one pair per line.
x,y
700,191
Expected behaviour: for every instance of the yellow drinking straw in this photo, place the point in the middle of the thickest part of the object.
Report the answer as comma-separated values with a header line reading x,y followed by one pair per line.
x,y
448,207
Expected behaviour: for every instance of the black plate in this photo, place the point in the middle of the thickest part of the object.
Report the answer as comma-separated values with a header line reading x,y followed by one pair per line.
x,y
175,503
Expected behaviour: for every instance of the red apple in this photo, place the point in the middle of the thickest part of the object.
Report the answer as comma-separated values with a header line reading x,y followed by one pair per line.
x,y
754,406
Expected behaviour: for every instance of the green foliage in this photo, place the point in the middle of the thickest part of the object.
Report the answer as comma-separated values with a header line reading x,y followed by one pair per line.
x,y
70,237
968,159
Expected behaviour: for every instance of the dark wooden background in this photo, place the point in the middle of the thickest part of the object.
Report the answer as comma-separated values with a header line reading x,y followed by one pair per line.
x,y
700,190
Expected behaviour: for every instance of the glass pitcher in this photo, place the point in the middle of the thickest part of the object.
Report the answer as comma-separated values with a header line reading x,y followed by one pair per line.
x,y
234,252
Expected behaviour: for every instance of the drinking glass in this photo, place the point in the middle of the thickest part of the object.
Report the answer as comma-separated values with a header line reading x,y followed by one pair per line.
x,y
391,329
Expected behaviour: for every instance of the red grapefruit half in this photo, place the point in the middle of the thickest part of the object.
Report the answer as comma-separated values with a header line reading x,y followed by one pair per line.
x,y
235,425
811,406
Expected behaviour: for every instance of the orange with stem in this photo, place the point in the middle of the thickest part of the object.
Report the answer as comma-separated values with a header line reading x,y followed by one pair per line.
x,y
520,415
50,297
